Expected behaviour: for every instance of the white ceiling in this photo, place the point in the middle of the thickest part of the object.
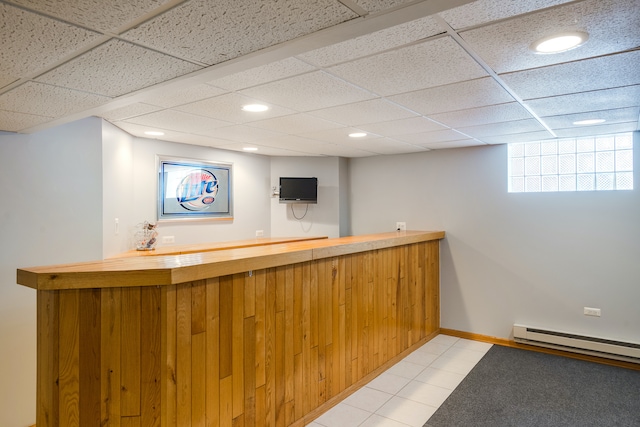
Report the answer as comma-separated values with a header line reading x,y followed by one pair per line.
x,y
414,75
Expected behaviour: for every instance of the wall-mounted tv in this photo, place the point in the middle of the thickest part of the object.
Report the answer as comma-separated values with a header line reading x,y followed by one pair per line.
x,y
298,190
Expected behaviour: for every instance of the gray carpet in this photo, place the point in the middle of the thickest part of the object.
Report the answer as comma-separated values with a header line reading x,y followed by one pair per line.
x,y
513,387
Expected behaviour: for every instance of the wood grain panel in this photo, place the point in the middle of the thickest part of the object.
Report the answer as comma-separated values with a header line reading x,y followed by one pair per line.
x,y
150,357
237,346
226,325
273,347
249,367
168,369
183,355
110,335
89,356
48,365
69,359
212,368
130,364
198,380
198,307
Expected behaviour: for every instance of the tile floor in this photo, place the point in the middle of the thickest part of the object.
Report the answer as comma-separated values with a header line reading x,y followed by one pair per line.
x,y
409,392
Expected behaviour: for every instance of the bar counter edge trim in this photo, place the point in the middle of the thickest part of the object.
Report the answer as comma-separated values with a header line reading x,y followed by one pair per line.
x,y
239,260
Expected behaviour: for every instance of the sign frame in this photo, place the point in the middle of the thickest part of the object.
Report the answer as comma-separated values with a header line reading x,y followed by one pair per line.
x,y
192,189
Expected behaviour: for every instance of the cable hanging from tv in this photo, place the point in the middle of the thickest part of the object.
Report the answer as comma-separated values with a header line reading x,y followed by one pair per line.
x,y
305,212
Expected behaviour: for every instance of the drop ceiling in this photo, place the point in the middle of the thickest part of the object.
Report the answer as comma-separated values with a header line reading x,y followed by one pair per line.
x,y
414,75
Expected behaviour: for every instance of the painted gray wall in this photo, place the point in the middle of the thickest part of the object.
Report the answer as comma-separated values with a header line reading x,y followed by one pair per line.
x,y
118,198
131,163
322,219
535,259
51,213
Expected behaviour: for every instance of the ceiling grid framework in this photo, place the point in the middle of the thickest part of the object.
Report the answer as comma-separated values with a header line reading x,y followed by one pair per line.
x,y
414,75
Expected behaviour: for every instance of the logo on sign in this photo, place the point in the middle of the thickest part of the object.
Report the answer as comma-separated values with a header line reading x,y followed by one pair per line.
x,y
197,190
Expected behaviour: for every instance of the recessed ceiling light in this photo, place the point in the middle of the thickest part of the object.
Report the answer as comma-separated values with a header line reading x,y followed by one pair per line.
x,y
560,42
589,122
250,149
255,108
357,135
154,133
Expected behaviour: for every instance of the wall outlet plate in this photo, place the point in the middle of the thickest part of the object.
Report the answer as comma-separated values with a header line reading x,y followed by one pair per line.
x,y
168,239
401,226
589,311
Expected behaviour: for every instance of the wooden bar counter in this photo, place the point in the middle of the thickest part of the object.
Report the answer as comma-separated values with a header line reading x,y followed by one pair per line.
x,y
268,335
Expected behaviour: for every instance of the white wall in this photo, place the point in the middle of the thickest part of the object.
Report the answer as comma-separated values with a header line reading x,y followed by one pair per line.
x,y
251,209
118,202
51,213
535,259
321,219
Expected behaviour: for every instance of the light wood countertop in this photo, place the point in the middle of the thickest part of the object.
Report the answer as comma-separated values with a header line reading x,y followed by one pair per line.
x,y
189,266
215,246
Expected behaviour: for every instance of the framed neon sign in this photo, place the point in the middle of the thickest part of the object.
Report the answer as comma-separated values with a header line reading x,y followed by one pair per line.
x,y
194,189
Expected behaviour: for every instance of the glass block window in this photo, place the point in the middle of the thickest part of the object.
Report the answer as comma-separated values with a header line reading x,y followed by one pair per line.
x,y
581,164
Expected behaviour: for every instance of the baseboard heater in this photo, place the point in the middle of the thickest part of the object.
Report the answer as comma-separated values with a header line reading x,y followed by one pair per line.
x,y
619,350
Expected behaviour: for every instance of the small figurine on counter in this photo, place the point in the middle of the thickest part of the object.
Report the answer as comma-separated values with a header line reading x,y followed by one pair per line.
x,y
146,236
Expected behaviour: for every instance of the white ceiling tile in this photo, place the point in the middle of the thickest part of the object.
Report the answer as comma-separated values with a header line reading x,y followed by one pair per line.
x,y
228,107
175,96
31,42
15,122
504,128
385,146
453,144
456,96
138,130
117,68
581,76
622,97
483,115
214,32
296,144
432,63
517,137
264,74
272,151
309,92
432,137
605,129
365,112
128,111
343,150
45,100
483,11
379,5
621,115
295,124
374,43
205,141
240,133
178,121
102,15
6,80
337,136
612,26
402,127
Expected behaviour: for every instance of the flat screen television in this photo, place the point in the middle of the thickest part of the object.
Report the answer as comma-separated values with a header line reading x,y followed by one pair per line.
x,y
298,190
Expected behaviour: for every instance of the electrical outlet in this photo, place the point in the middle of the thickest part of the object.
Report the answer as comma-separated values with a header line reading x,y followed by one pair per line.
x,y
589,311
168,239
259,233
401,226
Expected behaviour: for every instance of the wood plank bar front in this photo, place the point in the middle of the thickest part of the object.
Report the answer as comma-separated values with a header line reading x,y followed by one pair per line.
x,y
267,343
